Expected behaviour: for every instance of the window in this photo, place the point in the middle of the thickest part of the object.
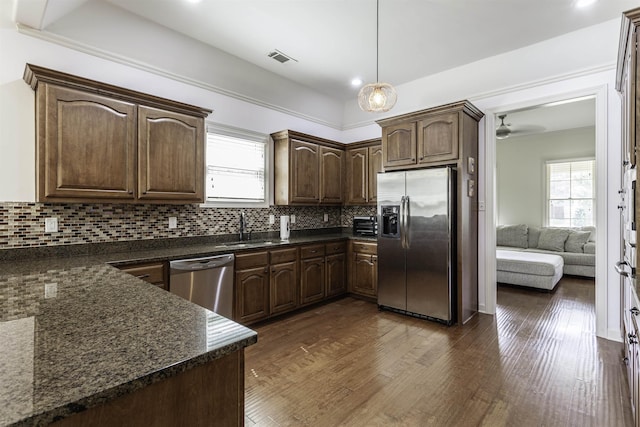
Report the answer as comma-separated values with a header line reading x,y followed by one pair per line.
x,y
571,193
236,168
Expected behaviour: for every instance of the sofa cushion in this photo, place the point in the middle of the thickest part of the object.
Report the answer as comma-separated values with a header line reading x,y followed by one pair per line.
x,y
590,248
576,241
534,236
592,230
512,235
570,258
552,239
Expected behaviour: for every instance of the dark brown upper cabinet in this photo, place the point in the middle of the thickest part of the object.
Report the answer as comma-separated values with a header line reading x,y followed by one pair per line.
x,y
102,143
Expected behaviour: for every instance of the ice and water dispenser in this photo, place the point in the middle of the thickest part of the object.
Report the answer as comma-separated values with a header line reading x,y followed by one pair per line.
x,y
390,221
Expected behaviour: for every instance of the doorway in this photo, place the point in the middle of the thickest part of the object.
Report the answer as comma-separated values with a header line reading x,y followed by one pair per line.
x,y
488,294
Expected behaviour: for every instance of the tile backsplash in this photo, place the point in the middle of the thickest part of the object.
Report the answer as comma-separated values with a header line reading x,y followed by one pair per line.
x,y
22,224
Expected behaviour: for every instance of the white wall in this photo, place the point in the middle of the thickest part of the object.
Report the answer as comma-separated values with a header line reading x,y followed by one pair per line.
x,y
520,185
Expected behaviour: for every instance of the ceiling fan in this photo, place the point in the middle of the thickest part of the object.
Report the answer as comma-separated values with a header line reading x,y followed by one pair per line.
x,y
504,130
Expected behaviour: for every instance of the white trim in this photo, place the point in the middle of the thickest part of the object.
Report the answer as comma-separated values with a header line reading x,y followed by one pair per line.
x,y
125,60
601,131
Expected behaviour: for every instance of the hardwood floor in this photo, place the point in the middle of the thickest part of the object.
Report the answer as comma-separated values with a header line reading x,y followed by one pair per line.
x,y
536,363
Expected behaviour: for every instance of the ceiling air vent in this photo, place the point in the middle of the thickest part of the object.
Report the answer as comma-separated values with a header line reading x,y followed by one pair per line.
x,y
280,57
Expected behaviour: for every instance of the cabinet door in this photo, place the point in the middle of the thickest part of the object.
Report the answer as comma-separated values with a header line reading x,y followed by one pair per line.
x,y
304,173
86,146
374,166
331,175
284,285
364,278
170,156
252,294
335,266
438,138
311,280
399,145
357,186
154,273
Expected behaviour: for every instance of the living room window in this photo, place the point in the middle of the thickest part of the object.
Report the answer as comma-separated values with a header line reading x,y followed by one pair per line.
x,y
570,193
237,168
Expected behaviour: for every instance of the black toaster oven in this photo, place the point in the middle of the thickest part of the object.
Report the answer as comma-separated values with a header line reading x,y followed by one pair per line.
x,y
365,226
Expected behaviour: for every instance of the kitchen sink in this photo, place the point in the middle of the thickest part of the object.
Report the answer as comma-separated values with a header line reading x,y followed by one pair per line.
x,y
245,244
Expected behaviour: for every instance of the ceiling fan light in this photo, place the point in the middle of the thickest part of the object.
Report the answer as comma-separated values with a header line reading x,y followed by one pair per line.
x,y
503,132
377,97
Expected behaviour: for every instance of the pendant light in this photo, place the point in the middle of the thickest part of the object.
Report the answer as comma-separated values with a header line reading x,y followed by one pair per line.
x,y
377,97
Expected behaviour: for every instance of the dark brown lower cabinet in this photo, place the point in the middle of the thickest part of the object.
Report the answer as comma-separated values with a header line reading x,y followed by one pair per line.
x,y
336,274
252,287
364,269
311,280
155,273
283,280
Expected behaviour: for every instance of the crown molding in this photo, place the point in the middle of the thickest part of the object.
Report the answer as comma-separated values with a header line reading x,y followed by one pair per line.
x,y
130,62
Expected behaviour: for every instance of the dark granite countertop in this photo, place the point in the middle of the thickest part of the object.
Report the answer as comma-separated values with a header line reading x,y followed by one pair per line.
x,y
100,333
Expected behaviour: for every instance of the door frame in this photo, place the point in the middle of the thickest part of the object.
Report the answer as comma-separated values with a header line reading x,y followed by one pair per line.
x,y
489,250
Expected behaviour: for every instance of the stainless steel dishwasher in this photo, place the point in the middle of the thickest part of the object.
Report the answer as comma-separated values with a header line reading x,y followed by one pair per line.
x,y
207,282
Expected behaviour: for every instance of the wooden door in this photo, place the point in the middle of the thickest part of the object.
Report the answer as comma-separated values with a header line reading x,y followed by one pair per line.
x,y
304,172
399,145
252,294
331,175
170,156
374,166
438,138
336,269
364,278
311,280
357,179
86,146
284,285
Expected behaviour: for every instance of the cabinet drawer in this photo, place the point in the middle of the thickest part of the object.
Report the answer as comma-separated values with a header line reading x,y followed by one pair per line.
x,y
311,251
365,248
251,260
283,255
152,273
335,248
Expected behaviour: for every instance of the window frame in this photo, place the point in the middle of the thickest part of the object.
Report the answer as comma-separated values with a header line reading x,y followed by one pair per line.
x,y
547,185
234,132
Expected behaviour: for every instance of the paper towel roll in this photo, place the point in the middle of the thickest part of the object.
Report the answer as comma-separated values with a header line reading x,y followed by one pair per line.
x,y
284,227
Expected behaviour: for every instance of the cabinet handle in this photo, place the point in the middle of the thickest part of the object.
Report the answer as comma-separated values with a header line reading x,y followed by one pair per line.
x,y
273,270
634,311
625,360
632,338
266,269
143,276
421,158
313,252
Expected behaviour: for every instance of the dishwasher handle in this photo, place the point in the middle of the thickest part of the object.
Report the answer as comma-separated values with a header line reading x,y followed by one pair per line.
x,y
206,263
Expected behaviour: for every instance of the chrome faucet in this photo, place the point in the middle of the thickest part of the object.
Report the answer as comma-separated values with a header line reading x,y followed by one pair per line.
x,y
243,228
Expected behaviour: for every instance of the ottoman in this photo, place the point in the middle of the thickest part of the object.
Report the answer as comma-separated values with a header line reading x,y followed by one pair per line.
x,y
531,269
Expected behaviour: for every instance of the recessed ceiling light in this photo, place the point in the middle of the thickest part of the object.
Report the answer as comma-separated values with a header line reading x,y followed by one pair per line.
x,y
193,1
356,81
584,3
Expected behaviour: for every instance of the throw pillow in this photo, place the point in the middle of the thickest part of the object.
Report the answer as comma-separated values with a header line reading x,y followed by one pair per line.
x,y
576,240
512,235
552,239
534,236
592,229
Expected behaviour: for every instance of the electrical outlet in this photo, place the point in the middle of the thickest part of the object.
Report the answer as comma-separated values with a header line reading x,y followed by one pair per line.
x,y
50,290
326,217
51,225
272,219
173,222
292,219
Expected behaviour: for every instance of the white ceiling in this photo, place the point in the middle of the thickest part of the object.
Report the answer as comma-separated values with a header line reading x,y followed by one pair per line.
x,y
334,41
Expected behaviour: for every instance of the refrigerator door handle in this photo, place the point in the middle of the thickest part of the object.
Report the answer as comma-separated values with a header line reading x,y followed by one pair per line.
x,y
407,222
402,223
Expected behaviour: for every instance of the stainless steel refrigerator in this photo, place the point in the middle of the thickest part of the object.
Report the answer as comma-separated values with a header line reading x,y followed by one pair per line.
x,y
416,243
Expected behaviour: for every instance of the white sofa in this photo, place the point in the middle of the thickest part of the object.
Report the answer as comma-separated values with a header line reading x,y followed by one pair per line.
x,y
576,248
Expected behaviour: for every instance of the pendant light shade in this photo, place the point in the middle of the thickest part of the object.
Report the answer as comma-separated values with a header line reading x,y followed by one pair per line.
x,y
377,97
